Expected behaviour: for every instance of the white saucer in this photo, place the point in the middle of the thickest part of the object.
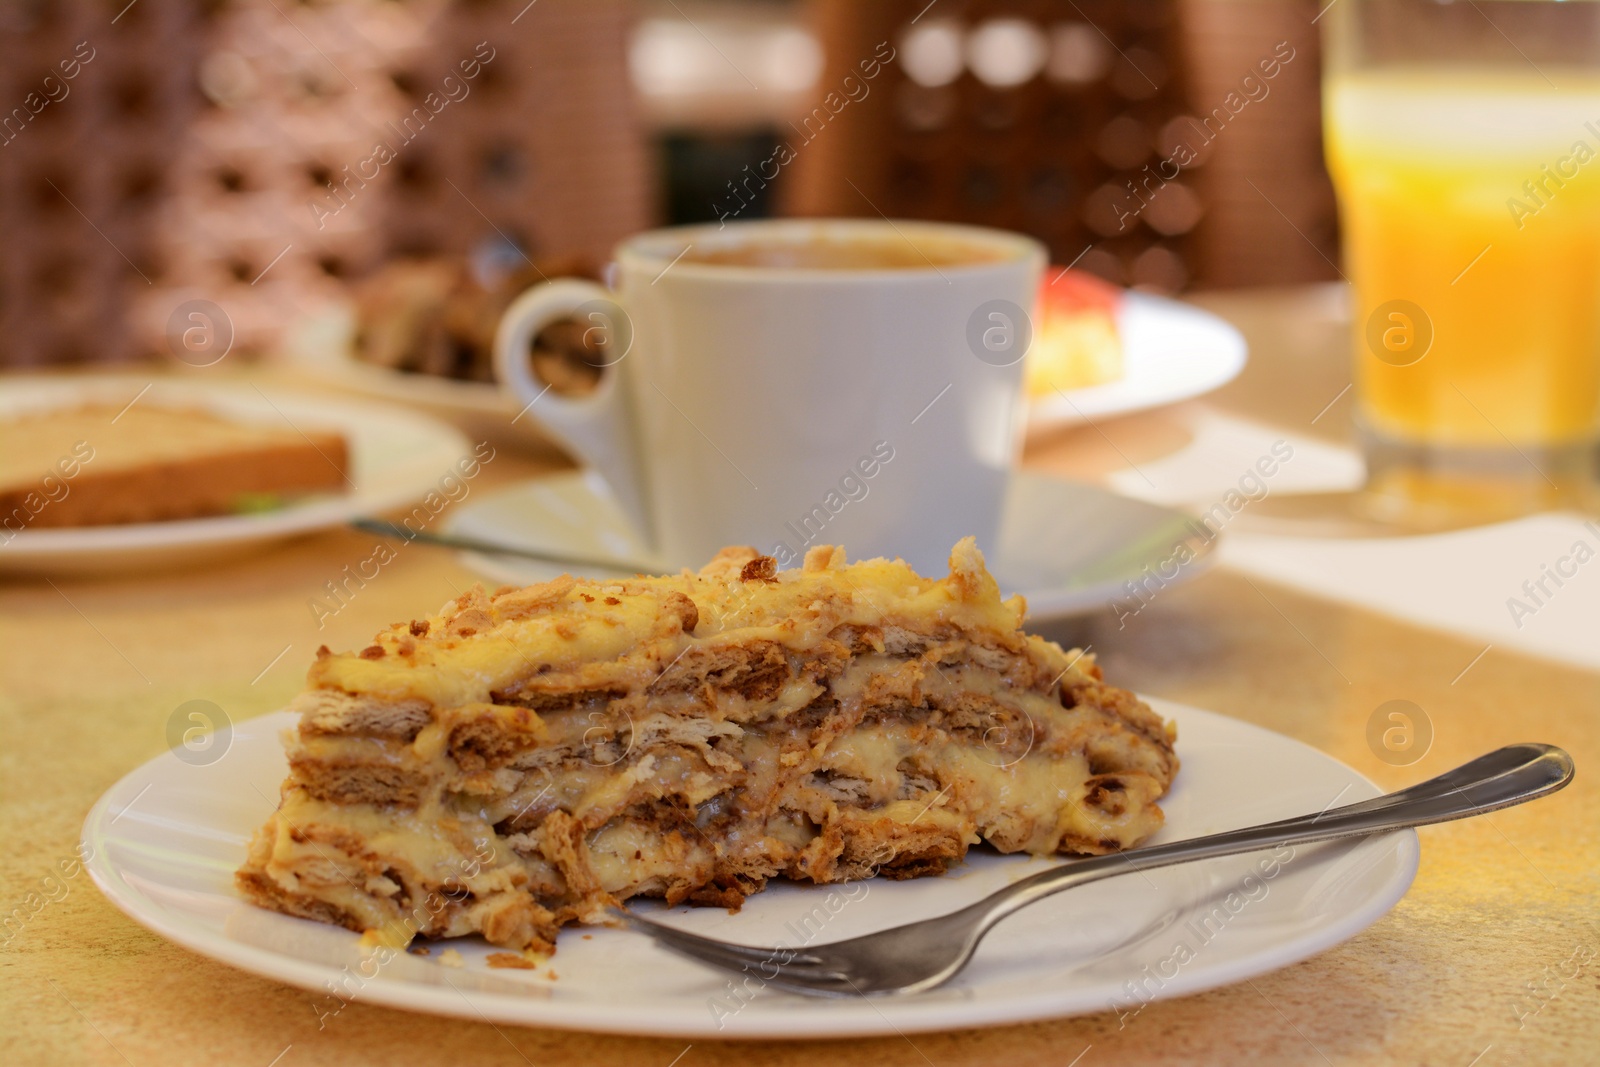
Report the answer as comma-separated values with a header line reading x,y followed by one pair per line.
x,y
162,845
1070,549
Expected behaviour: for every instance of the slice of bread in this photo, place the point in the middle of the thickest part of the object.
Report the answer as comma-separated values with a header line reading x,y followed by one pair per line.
x,y
95,466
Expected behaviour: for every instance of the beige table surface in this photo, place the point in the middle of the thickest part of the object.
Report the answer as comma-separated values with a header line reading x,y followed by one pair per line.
x,y
90,670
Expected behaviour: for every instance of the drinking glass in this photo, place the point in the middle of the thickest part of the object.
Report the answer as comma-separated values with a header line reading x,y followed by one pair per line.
x,y
1464,144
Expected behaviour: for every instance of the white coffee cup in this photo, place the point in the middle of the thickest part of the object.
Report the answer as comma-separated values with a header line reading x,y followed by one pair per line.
x,y
875,407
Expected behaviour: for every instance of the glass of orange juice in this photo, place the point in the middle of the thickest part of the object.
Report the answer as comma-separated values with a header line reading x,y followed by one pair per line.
x,y
1464,144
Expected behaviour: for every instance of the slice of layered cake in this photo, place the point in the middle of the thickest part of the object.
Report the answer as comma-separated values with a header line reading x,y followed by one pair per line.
x,y
524,759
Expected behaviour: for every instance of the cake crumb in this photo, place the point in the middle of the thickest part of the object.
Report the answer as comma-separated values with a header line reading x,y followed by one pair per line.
x,y
511,959
451,958
588,937
551,974
420,950
390,935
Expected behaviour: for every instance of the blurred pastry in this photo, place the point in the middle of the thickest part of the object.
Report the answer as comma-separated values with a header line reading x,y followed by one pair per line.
x,y
1077,343
438,316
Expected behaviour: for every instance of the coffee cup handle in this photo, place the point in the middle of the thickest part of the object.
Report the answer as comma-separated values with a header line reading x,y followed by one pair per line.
x,y
597,428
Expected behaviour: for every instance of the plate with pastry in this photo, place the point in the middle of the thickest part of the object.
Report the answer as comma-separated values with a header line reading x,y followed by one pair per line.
x,y
421,332
447,819
122,472
1101,351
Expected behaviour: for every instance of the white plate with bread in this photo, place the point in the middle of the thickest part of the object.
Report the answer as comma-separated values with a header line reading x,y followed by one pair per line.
x,y
129,472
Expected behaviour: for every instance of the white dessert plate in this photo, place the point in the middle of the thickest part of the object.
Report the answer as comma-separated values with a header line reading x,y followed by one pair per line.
x,y
162,845
1171,352
396,457
1071,549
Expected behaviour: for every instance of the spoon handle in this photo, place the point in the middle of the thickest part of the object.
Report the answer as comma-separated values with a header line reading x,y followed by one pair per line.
x,y
397,532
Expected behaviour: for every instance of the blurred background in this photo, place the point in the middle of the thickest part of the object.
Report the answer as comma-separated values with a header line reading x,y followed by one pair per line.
x,y
273,157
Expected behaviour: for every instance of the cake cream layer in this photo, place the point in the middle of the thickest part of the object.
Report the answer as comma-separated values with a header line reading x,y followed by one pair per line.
x,y
524,759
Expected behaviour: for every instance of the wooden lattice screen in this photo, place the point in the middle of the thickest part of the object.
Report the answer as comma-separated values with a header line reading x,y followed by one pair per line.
x,y
1078,153
154,153
258,153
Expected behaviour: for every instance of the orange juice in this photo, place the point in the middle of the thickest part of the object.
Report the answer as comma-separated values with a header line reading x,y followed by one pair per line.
x,y
1470,201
